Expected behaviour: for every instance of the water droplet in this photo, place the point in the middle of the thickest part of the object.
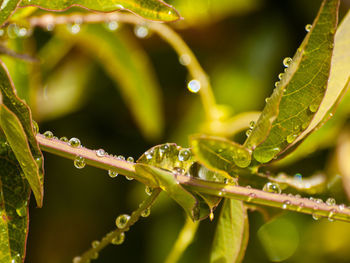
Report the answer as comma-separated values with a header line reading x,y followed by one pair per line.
x,y
267,99
298,177
211,216
141,31
330,215
22,210
130,159
185,59
76,259
112,25
277,84
100,153
119,239
74,28
341,207
74,142
287,61
331,201
272,188
148,190
149,155
64,139
308,27
313,107
35,127
121,157
252,124
248,132
316,216
280,76
48,134
79,162
22,32
164,148
122,221
55,137
291,138
112,173
319,201
146,212
178,170
286,204
184,155
194,86
95,243
129,178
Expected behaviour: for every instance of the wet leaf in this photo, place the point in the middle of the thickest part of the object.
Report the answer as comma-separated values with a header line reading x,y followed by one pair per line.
x,y
231,235
168,183
16,115
296,99
150,9
6,9
127,65
14,199
219,154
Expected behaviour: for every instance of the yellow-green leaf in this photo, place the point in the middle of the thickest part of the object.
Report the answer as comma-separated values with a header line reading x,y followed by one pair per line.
x,y
7,7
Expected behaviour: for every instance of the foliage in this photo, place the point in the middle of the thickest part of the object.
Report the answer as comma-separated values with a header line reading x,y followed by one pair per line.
x,y
51,61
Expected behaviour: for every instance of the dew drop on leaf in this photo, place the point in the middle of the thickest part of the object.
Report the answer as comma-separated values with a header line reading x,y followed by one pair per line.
x,y
291,138
308,27
112,173
331,201
287,61
184,155
64,139
79,162
272,188
122,221
194,86
313,108
280,76
130,159
148,190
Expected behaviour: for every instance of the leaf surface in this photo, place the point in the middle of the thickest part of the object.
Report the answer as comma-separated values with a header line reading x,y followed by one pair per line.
x,y
16,115
296,99
7,7
231,235
150,9
14,197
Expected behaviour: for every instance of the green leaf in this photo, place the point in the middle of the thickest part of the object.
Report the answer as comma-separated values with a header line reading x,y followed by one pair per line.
x,y
127,64
7,7
294,102
219,154
14,197
168,183
231,236
150,9
16,115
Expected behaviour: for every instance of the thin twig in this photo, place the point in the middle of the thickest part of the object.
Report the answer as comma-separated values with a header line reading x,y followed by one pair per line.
x,y
164,31
287,202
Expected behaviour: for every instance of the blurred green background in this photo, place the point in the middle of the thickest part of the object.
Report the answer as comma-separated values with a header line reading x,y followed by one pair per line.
x,y
94,83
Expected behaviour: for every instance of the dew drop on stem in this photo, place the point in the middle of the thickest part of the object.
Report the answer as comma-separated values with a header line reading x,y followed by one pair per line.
x,y
184,155
194,85
100,153
308,27
74,142
122,221
287,61
112,173
146,212
272,188
79,162
48,134
119,239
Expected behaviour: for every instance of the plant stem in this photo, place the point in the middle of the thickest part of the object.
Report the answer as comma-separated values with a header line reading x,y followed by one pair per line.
x,y
183,240
251,195
147,203
164,31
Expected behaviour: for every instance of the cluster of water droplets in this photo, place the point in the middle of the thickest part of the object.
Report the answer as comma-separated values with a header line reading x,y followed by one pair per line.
x,y
13,31
251,127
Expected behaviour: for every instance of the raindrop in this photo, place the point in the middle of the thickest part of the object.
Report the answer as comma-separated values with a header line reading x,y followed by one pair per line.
x,y
272,188
16,259
316,216
149,155
141,31
287,61
22,32
286,204
330,215
76,259
185,59
248,132
118,240
95,243
64,139
146,212
178,170
194,85
163,148
308,27
148,190
341,207
48,134
100,153
313,107
112,173
74,29
211,216
112,25
121,157
331,201
129,178
267,99
130,159
251,124
74,142
280,76
184,155
35,127
277,84
122,221
79,162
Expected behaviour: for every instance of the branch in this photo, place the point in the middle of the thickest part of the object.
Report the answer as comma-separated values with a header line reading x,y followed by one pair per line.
x,y
255,196
164,31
